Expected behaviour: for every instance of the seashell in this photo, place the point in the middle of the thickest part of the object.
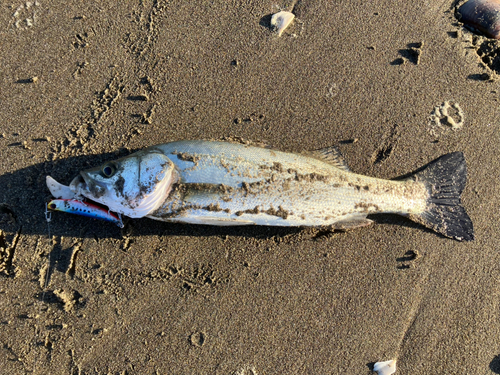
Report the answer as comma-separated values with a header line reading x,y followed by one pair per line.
x,y
385,368
483,15
281,20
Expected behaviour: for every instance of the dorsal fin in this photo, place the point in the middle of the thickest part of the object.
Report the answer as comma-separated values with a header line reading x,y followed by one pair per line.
x,y
331,155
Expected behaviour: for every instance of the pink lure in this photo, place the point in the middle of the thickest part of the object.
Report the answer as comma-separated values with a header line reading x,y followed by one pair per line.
x,y
74,206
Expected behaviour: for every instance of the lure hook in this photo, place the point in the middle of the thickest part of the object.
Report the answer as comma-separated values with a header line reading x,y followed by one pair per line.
x,y
120,223
48,214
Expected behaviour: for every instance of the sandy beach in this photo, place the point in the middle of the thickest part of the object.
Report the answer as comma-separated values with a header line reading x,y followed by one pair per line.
x,y
85,82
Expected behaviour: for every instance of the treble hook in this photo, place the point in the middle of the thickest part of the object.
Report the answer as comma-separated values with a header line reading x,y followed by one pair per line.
x,y
48,214
120,223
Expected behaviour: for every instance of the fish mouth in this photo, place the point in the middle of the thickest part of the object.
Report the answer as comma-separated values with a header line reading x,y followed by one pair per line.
x,y
78,189
79,186
82,185
58,190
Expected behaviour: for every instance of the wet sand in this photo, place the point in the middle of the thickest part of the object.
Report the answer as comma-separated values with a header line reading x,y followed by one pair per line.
x,y
82,82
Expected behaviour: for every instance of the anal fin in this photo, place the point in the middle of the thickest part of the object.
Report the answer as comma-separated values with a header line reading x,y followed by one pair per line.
x,y
350,224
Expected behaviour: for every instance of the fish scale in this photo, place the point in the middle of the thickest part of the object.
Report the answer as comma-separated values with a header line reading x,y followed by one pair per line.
x,y
337,197
286,201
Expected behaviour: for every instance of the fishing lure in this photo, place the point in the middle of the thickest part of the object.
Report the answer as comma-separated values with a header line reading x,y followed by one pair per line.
x,y
77,207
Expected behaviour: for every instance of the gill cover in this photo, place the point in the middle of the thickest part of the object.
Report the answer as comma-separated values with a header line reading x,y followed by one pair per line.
x,y
135,185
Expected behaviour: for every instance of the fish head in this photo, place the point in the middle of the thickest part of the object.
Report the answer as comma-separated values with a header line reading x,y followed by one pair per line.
x,y
135,185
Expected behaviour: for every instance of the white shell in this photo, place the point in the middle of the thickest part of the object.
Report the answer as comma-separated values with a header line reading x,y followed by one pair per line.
x,y
281,20
385,368
58,190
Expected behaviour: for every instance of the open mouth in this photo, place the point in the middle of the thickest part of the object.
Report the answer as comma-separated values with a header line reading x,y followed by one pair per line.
x,y
78,190
73,199
84,186
60,191
78,186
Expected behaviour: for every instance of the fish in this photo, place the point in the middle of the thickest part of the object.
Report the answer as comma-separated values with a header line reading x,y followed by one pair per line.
x,y
75,206
483,15
229,183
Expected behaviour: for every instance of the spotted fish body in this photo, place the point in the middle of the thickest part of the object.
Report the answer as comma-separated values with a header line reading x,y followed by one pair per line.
x,y
222,183
229,184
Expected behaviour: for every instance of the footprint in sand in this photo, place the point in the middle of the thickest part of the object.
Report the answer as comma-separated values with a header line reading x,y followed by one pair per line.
x,y
26,15
246,370
448,115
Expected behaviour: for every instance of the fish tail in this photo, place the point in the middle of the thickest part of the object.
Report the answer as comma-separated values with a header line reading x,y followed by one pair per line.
x,y
445,180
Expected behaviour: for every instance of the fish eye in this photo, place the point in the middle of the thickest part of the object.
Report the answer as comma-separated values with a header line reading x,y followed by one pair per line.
x,y
52,206
109,169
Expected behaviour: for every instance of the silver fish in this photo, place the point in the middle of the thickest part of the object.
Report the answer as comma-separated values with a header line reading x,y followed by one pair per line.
x,y
222,183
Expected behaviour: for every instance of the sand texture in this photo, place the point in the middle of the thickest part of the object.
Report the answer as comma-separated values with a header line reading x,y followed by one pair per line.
x,y
395,83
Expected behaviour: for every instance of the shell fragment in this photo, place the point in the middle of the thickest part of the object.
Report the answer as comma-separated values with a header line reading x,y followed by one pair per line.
x,y
281,20
385,368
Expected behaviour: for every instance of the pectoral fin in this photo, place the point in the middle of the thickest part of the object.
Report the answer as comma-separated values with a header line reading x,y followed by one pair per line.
x,y
331,155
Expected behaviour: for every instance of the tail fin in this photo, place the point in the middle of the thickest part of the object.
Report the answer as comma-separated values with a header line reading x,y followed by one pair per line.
x,y
445,179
